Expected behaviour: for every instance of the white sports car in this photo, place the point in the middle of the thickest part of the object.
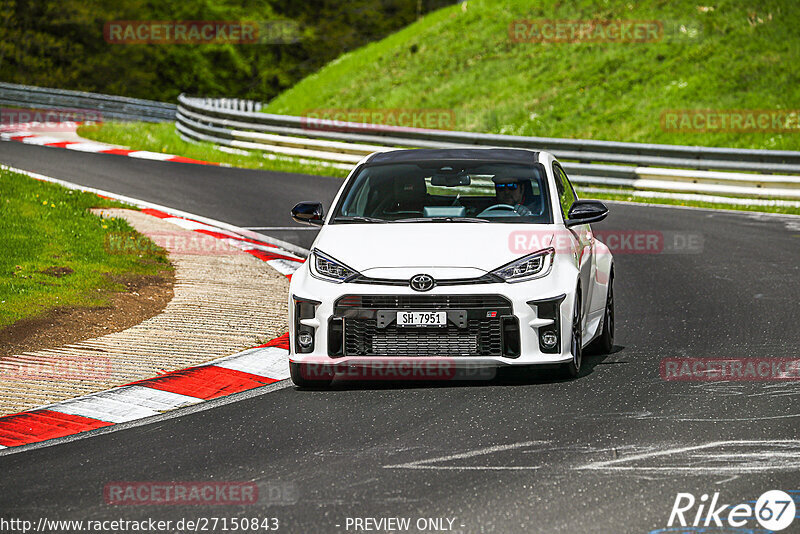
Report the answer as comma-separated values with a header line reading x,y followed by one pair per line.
x,y
474,257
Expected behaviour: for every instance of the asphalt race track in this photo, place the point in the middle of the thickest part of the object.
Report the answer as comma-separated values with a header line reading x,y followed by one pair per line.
x,y
606,453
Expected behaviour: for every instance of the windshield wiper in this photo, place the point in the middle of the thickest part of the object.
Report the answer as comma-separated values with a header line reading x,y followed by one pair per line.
x,y
359,219
470,219
444,219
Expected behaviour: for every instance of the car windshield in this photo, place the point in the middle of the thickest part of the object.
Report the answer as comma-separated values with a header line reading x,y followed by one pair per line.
x,y
454,191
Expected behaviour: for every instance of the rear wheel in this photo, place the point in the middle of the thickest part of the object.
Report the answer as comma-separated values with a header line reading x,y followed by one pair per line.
x,y
310,376
573,367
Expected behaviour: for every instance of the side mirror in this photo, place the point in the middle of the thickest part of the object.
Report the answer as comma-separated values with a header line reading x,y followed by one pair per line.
x,y
585,212
308,213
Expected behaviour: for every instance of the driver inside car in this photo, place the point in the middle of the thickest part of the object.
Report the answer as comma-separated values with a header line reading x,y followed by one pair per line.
x,y
512,193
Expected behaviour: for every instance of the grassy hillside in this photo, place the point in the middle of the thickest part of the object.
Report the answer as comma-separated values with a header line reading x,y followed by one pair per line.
x,y
725,54
61,43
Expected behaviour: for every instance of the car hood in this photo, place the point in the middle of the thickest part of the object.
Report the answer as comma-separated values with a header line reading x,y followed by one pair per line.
x,y
462,249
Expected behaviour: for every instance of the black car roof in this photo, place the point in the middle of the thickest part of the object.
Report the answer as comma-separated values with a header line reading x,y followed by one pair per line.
x,y
506,155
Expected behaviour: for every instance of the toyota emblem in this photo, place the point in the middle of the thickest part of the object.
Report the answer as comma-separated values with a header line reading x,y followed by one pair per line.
x,y
422,282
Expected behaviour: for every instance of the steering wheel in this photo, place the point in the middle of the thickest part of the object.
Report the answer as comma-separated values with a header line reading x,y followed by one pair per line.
x,y
499,207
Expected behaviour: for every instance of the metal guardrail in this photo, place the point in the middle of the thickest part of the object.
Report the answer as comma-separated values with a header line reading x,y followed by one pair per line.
x,y
240,125
109,106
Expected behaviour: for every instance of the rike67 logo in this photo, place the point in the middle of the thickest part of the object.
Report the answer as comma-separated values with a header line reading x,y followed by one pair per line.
x,y
774,511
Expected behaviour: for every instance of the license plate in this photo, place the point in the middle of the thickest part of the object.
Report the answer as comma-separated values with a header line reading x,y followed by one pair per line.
x,y
421,318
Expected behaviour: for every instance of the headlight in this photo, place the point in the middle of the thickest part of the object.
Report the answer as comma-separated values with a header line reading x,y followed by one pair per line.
x,y
326,268
535,265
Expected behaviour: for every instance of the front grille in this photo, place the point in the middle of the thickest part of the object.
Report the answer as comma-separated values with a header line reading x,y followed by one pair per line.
x,y
480,338
482,335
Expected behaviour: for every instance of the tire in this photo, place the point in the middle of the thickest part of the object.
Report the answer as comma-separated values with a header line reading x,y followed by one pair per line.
x,y
572,368
301,376
605,342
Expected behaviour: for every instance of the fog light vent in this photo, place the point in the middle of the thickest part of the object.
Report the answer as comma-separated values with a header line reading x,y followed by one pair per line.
x,y
304,334
549,336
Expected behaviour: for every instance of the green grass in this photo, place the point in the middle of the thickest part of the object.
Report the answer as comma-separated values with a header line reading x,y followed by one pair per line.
x,y
163,138
46,226
738,55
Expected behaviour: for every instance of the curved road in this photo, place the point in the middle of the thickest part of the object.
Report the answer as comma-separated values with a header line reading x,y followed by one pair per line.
x,y
605,453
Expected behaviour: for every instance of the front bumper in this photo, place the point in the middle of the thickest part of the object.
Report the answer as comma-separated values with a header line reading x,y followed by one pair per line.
x,y
534,306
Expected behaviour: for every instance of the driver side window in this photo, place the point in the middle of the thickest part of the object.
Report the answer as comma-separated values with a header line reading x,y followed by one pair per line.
x,y
566,194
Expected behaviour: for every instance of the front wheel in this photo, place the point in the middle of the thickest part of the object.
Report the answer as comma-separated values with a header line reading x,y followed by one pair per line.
x,y
605,341
572,368
310,376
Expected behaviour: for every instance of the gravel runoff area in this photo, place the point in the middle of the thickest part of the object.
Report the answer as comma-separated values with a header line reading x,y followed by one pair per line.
x,y
224,301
